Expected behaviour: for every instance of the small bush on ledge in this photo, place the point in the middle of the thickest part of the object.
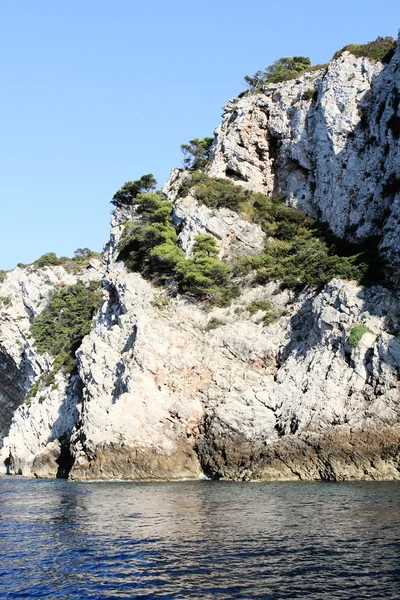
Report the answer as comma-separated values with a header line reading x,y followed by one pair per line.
x,y
214,192
355,335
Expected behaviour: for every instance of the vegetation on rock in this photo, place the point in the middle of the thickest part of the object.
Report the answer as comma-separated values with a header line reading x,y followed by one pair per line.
x,y
65,321
80,260
287,68
355,335
282,69
127,194
256,305
215,192
150,246
299,250
197,153
50,259
380,49
5,300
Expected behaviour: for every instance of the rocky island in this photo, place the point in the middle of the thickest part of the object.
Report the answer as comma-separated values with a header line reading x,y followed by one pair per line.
x,y
244,322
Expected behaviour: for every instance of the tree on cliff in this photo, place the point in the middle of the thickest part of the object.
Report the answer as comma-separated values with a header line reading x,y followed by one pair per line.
x,y
197,153
282,69
130,189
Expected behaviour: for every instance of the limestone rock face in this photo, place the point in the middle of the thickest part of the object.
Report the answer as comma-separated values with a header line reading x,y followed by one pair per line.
x,y
27,428
335,155
333,412
167,388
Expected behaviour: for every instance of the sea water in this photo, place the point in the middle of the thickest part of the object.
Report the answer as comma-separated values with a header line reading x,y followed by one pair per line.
x,y
200,540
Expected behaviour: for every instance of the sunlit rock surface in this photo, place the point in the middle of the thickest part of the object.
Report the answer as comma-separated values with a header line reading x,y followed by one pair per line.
x,y
169,390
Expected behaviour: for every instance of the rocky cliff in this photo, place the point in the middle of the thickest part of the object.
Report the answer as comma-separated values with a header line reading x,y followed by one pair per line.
x,y
167,387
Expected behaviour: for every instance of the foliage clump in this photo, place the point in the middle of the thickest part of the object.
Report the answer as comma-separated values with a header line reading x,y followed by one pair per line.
x,y
355,335
303,260
150,247
131,189
214,323
270,313
256,305
50,259
197,153
203,275
308,94
282,69
5,300
65,321
81,258
299,250
381,49
3,275
160,302
215,192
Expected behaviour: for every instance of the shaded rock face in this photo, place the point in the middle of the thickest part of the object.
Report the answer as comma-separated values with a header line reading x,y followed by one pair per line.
x,y
12,390
168,390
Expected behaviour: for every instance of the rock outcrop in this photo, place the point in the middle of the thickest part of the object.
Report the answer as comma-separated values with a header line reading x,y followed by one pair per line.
x,y
334,152
165,389
28,426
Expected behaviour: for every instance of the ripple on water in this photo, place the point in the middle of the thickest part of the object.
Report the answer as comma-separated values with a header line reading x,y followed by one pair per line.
x,y
199,540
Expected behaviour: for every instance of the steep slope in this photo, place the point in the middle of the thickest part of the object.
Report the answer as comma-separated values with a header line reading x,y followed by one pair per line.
x,y
278,384
333,152
30,421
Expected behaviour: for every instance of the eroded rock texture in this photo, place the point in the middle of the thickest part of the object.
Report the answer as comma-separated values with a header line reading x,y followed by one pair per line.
x,y
168,390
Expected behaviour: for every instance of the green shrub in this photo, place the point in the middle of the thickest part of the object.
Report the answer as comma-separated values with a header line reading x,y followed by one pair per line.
x,y
5,300
65,321
256,305
50,259
317,67
45,380
131,189
269,317
203,275
282,69
150,247
300,251
32,392
215,192
81,259
3,275
213,323
355,335
308,94
304,261
270,313
160,301
380,49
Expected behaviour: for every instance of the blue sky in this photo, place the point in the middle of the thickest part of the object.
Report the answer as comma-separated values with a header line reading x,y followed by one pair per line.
x,y
96,93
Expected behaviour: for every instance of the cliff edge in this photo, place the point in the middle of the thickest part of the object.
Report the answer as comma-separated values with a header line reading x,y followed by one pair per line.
x,y
241,378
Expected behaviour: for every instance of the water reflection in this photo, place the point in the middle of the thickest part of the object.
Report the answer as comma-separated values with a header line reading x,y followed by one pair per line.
x,y
199,540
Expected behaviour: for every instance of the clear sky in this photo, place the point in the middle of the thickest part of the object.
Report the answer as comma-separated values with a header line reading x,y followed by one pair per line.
x,y
98,92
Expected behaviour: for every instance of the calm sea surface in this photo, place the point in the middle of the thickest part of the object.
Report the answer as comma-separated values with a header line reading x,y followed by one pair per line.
x,y
200,540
